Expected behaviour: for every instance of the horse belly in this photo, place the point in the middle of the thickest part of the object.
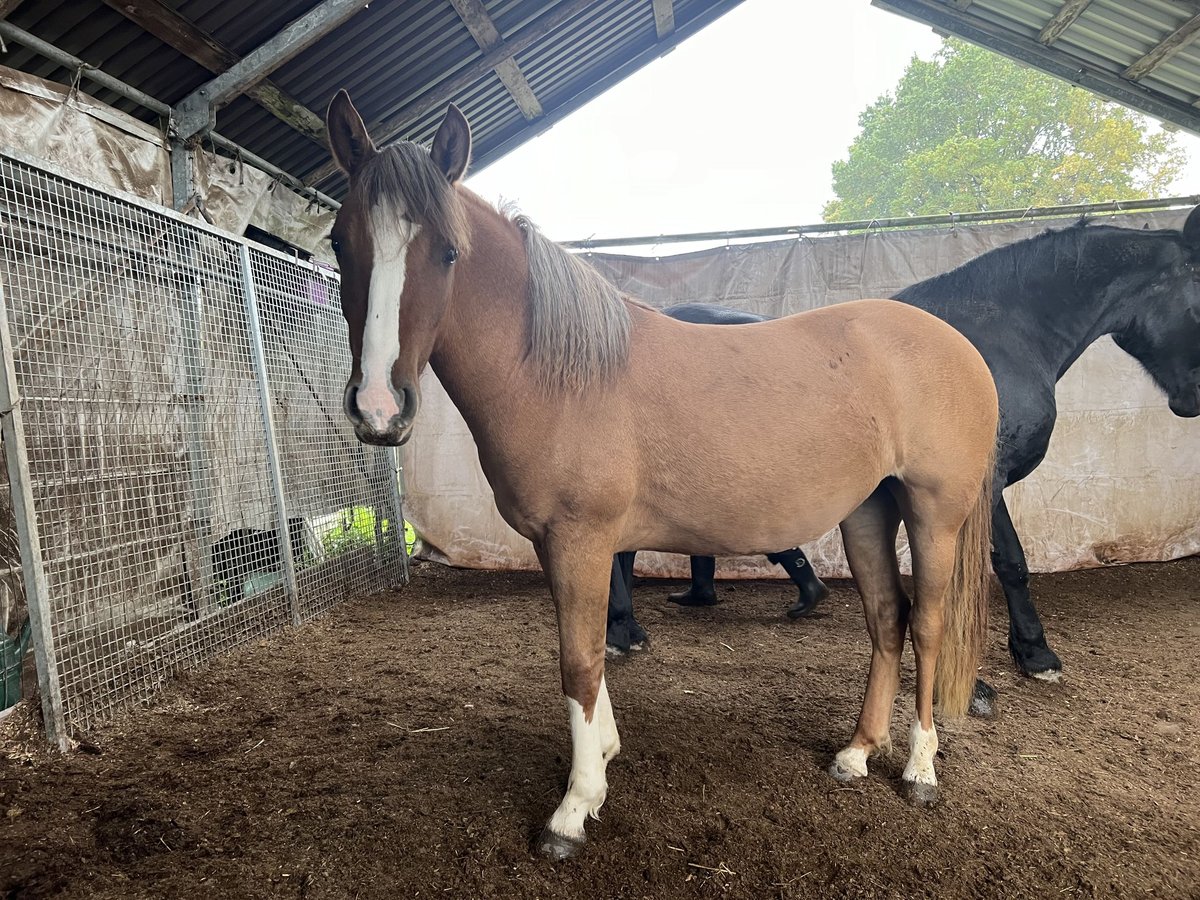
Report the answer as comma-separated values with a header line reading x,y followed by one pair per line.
x,y
785,490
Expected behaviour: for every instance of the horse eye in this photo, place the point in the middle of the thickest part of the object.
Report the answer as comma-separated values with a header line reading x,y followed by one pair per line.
x,y
451,256
336,245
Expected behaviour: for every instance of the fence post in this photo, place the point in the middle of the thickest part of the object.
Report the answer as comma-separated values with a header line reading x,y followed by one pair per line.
x,y
268,417
397,490
37,592
191,318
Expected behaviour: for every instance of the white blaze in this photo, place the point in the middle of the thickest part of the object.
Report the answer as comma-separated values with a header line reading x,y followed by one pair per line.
x,y
391,234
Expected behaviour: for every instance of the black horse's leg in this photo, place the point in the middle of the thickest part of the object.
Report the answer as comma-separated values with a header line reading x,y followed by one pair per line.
x,y
812,589
624,632
703,589
1026,638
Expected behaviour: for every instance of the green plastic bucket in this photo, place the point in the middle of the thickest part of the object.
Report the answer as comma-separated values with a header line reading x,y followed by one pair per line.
x,y
12,656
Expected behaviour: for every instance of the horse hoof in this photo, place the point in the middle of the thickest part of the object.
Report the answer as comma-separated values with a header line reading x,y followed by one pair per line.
x,y
983,701
558,847
920,794
845,776
687,598
616,654
1041,663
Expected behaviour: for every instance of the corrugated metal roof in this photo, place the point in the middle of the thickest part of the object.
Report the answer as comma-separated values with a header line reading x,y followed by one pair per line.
x,y
1102,40
389,55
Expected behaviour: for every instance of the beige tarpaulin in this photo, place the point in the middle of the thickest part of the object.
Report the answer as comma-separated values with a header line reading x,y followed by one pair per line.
x,y
1121,482
104,145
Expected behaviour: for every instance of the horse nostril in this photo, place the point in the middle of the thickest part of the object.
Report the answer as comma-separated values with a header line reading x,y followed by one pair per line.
x,y
350,403
410,402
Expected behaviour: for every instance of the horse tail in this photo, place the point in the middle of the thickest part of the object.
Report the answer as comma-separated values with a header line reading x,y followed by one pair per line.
x,y
967,605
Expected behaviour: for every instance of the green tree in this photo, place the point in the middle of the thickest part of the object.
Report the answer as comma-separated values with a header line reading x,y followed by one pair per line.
x,y
972,131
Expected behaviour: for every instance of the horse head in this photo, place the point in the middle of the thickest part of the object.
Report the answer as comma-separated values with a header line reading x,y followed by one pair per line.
x,y
396,239
1163,329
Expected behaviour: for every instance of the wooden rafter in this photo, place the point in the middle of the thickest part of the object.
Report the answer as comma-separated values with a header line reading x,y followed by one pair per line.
x,y
487,36
1063,19
7,6
664,17
1168,47
199,46
388,130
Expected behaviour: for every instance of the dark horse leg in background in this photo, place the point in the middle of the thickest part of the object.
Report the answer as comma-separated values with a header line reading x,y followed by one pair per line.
x,y
1026,638
703,590
624,632
1025,429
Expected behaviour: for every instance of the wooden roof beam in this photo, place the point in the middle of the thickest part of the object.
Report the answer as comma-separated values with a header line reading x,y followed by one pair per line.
x,y
175,31
487,36
388,130
197,112
1168,47
1063,19
664,17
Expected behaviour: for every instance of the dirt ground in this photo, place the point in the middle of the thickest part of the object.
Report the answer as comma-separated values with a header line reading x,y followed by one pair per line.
x,y
413,744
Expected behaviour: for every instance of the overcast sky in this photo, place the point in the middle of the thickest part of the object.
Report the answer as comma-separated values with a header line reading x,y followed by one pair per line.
x,y
735,128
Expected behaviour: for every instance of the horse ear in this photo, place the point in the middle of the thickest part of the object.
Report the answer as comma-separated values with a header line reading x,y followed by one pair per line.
x,y
451,149
1191,230
348,138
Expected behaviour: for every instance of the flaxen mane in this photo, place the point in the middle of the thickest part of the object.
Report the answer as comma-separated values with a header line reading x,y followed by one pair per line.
x,y
578,323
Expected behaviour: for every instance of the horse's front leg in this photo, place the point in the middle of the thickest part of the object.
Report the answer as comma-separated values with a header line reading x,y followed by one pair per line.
x,y
578,569
1026,638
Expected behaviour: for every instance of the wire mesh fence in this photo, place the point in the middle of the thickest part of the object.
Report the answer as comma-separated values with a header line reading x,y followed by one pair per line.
x,y
193,483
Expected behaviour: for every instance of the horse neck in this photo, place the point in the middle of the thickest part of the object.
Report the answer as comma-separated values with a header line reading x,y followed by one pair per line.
x,y
1104,293
1058,303
480,345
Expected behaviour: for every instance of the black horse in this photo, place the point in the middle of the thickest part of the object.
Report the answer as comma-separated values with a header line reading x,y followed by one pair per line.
x,y
1031,308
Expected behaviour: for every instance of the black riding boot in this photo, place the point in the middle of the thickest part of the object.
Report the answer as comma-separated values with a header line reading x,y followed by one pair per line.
x,y
812,589
703,589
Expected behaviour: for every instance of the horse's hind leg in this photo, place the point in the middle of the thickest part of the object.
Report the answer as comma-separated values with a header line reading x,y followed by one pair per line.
x,y
869,535
578,569
933,547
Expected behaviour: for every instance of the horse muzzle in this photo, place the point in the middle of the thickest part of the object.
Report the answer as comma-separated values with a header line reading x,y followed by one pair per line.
x,y
377,426
1185,404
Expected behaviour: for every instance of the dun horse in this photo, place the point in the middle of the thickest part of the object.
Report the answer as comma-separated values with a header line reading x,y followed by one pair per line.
x,y
581,403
